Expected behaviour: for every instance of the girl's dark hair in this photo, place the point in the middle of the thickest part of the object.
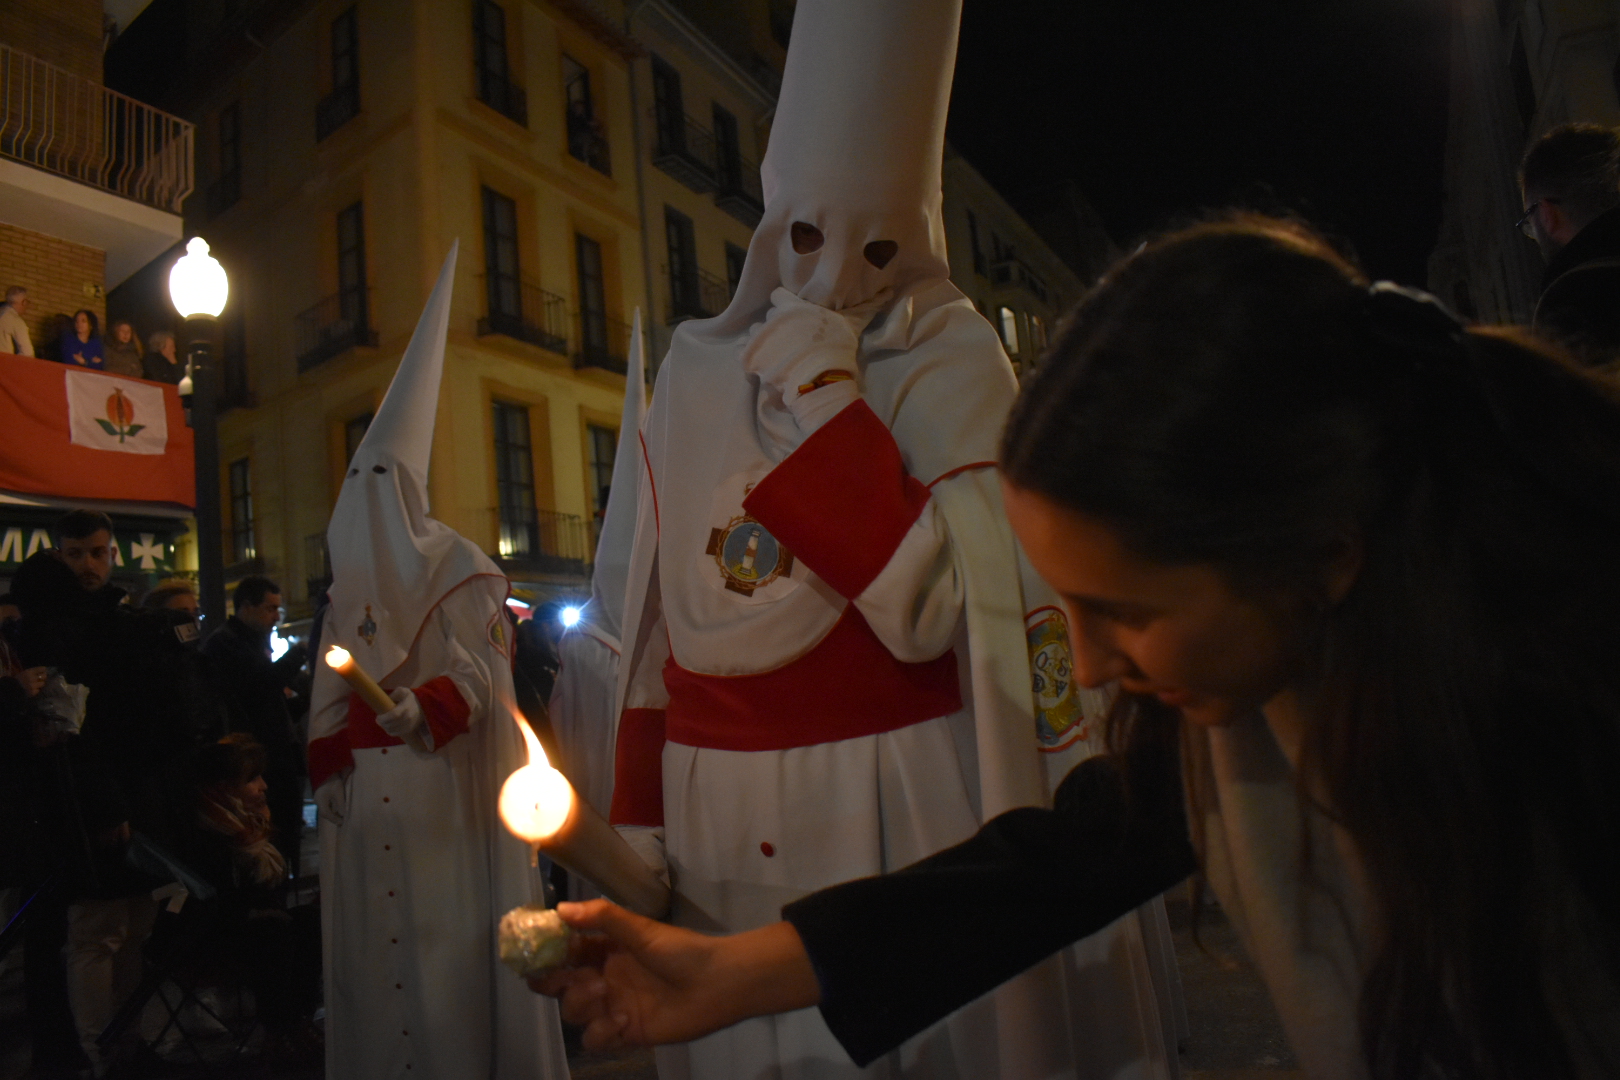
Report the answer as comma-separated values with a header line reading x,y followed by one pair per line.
x,y
95,323
1234,395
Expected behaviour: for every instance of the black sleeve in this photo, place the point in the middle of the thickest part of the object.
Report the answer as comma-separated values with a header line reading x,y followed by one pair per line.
x,y
894,954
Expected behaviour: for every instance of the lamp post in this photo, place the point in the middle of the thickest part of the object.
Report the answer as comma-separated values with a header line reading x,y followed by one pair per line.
x,y
198,287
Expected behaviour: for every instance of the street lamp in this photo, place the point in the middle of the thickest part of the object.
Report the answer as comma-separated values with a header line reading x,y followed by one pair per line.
x,y
198,287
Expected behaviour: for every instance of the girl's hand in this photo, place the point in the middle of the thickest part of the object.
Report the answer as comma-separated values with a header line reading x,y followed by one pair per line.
x,y
636,982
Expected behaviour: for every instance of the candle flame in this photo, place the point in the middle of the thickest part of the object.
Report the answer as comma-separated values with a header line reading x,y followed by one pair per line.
x,y
337,656
535,800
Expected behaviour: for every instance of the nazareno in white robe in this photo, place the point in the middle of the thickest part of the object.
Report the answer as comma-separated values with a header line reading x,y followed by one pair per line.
x,y
415,880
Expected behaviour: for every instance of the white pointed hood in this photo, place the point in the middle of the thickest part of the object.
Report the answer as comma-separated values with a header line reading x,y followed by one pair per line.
x,y
605,613
391,562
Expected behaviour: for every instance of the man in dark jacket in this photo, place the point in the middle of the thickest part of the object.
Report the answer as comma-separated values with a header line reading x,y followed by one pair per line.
x,y
1570,180
258,695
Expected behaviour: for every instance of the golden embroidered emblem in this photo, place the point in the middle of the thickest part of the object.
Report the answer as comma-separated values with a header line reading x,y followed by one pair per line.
x,y
368,627
748,555
1059,719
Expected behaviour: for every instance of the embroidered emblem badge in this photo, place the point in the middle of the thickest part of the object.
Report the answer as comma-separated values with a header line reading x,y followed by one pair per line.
x,y
1059,719
368,628
497,632
749,557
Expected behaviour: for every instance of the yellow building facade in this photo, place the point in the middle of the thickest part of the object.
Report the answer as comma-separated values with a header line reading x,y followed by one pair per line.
x,y
337,166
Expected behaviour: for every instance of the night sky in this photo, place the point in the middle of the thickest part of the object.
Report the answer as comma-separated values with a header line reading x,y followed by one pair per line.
x,y
1331,109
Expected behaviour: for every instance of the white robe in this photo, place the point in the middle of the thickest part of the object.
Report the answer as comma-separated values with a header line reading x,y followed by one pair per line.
x,y
415,880
583,722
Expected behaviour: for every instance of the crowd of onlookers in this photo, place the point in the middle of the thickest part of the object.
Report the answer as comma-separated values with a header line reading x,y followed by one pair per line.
x,y
135,744
79,341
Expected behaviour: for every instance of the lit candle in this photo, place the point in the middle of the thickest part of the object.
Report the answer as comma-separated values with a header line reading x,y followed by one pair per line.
x,y
539,806
338,658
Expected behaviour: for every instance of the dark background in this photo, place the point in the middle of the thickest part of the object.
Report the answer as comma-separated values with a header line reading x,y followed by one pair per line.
x,y
1331,109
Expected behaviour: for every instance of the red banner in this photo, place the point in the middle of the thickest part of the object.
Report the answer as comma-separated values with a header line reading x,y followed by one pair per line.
x,y
39,456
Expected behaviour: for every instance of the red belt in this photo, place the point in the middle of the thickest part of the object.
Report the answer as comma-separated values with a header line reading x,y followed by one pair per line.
x,y
848,686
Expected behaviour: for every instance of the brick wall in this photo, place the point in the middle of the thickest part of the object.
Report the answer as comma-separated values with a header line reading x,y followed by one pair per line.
x,y
55,273
66,33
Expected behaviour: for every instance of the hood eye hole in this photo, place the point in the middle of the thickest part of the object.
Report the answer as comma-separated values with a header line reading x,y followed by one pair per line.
x,y
879,252
354,472
806,238
378,469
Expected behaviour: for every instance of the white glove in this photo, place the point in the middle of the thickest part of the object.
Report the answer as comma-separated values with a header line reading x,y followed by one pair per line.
x,y
332,798
406,721
807,357
647,841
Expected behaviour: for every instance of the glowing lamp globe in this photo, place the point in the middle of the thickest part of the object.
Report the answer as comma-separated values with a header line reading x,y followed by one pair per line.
x,y
197,284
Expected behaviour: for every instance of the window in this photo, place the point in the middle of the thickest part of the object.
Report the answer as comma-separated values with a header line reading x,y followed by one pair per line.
x,y
685,297
736,257
495,87
502,277
514,482
604,444
1008,324
586,142
668,112
1037,333
243,547
1524,87
727,150
353,301
353,431
343,103
233,390
973,240
593,328
227,188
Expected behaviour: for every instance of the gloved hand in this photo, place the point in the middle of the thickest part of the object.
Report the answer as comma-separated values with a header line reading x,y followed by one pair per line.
x,y
406,721
332,798
807,357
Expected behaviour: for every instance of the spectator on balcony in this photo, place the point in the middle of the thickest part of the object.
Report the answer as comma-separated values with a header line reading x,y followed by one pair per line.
x,y
160,362
81,342
123,350
13,330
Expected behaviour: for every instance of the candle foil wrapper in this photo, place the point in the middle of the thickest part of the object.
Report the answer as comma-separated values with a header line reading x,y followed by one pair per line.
x,y
533,940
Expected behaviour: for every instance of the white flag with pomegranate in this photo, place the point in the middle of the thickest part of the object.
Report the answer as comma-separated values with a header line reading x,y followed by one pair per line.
x,y
107,412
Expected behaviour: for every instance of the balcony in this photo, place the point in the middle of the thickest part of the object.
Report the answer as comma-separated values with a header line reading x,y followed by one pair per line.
x,y
55,121
685,150
542,542
525,312
1013,272
588,144
504,96
696,296
336,109
340,322
604,343
738,191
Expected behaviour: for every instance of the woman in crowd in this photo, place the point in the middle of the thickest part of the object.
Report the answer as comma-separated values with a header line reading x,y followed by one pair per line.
x,y
1353,569
161,363
277,948
81,341
123,350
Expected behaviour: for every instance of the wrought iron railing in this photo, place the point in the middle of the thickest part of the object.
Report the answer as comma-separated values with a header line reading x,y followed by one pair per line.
x,y
336,324
1015,272
317,566
685,150
587,143
698,295
602,343
73,127
543,541
738,191
525,312
504,96
336,109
